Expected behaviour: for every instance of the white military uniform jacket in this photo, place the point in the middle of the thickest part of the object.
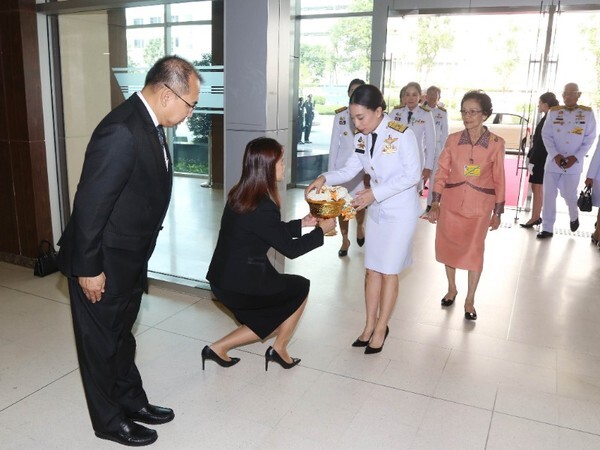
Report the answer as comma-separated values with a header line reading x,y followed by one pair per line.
x,y
594,169
421,122
440,121
394,167
568,132
341,147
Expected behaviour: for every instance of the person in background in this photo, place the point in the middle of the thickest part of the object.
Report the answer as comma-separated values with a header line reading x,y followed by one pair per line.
x,y
300,120
440,120
568,134
387,151
593,178
341,148
468,197
264,301
419,119
120,203
309,115
537,158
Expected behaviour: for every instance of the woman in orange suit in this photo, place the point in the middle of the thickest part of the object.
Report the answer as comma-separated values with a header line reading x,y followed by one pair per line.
x,y
468,196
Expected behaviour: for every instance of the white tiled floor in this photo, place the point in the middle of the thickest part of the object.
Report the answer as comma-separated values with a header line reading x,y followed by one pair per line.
x,y
526,375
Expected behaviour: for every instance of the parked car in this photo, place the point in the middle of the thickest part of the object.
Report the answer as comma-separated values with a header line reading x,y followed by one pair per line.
x,y
513,128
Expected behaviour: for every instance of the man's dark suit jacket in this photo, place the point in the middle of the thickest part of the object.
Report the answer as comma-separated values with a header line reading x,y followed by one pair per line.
x,y
121,200
240,262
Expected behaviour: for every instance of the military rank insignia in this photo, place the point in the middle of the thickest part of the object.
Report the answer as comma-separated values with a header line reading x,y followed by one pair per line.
x,y
360,145
389,146
397,126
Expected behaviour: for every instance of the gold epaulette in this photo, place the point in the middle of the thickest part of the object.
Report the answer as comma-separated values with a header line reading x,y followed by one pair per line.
x,y
441,108
556,108
585,108
356,132
397,107
397,126
339,110
425,107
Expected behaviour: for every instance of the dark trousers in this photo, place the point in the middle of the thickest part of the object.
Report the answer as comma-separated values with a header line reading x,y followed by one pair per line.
x,y
307,129
106,352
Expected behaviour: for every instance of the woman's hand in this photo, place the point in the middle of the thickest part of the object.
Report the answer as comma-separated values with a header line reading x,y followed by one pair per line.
x,y
434,213
363,199
589,182
426,174
317,184
326,225
494,222
309,221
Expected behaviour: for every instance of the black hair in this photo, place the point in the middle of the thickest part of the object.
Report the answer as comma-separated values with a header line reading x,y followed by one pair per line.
x,y
368,96
172,71
355,81
549,98
484,100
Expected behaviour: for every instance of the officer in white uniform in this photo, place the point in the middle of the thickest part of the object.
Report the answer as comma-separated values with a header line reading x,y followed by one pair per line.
x,y
568,134
341,148
420,121
440,121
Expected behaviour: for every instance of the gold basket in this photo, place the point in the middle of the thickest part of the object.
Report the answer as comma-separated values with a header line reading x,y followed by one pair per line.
x,y
325,210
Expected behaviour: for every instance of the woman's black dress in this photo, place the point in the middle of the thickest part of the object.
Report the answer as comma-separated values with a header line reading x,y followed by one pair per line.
x,y
537,155
241,275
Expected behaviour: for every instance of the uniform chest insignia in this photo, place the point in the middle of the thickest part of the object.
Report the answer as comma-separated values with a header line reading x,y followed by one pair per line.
x,y
397,126
577,130
345,133
339,110
360,145
342,120
389,146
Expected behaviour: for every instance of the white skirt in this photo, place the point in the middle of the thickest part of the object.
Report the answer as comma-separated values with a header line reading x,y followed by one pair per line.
x,y
596,192
388,245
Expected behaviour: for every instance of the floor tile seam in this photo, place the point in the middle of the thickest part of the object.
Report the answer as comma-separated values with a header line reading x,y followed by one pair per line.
x,y
542,422
66,302
156,325
39,389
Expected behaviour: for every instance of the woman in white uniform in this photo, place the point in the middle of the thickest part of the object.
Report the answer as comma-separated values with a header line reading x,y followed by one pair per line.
x,y
593,179
340,149
387,151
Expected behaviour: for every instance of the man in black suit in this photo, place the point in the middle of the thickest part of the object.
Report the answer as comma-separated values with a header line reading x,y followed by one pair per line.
x,y
120,203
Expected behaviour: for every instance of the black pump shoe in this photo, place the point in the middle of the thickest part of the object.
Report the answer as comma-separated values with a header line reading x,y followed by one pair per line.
x,y
208,353
272,355
342,253
471,315
532,224
359,343
360,241
370,350
449,301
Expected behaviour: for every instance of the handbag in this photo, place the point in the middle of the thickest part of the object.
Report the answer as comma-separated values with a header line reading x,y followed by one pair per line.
x,y
46,262
584,202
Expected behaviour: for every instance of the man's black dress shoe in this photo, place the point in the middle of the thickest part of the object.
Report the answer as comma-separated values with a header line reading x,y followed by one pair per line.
x,y
574,225
152,415
544,235
130,433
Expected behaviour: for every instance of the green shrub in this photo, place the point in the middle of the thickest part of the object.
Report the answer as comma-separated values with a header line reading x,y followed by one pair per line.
x,y
191,167
326,110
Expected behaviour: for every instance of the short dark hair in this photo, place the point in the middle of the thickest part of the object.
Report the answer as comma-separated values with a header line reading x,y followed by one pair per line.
x,y
258,175
368,96
173,71
356,81
549,98
484,100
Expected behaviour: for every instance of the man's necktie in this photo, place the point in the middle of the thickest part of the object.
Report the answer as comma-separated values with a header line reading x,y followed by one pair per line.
x,y
410,113
374,138
163,141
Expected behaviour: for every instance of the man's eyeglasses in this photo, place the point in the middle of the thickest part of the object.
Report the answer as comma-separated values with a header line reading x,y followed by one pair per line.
x,y
181,98
470,112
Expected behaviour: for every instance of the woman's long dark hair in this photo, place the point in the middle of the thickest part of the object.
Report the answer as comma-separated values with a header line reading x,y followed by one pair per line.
x,y
258,175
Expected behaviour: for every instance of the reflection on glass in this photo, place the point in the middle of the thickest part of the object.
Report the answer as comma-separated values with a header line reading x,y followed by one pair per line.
x,y
335,7
145,15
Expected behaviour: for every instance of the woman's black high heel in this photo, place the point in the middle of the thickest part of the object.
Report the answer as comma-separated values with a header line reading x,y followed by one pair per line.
x,y
370,350
272,355
359,343
360,241
532,224
208,353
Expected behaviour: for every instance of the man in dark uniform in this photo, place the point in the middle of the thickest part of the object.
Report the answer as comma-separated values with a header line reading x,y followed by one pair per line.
x,y
309,115
120,203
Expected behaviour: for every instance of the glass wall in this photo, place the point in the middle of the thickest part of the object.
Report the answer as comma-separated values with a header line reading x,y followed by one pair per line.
x,y
335,47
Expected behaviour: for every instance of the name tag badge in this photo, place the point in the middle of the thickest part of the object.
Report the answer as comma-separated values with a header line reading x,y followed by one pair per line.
x,y
472,170
359,150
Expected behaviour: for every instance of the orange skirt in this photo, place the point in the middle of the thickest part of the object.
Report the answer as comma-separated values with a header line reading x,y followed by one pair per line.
x,y
460,240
